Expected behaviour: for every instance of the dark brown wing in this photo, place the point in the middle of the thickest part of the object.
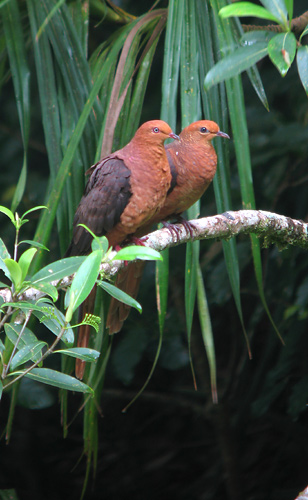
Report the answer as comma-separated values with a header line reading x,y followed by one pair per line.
x,y
105,197
173,170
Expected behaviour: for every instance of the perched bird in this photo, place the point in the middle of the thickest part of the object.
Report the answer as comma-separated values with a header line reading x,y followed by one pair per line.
x,y
123,193
192,162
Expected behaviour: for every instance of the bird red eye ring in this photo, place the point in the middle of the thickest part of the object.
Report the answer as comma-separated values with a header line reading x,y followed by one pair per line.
x,y
156,130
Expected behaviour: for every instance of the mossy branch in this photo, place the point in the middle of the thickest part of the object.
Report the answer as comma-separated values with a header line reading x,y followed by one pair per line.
x,y
274,228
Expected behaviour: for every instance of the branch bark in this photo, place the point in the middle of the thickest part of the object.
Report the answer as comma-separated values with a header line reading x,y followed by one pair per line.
x,y
274,228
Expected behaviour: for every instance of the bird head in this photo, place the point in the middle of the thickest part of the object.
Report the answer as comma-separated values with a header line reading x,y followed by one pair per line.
x,y
202,131
155,131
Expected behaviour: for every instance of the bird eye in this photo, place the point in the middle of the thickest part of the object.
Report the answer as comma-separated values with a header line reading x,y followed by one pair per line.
x,y
204,130
156,130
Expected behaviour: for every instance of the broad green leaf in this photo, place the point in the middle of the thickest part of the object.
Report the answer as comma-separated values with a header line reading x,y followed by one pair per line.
x,y
48,314
4,267
252,37
240,60
278,9
48,289
137,252
30,351
54,320
15,272
80,352
57,270
33,244
1,391
4,253
27,338
302,65
120,295
100,243
242,9
8,213
25,260
83,282
281,50
58,379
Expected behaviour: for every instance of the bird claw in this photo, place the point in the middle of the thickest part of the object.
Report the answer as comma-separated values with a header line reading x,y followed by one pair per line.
x,y
189,227
139,241
173,230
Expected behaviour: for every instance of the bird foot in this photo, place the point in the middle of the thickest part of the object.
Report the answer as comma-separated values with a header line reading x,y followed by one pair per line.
x,y
138,241
173,230
189,227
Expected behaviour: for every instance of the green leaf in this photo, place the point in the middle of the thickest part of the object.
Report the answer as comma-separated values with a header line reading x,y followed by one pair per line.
x,y
231,65
278,9
16,48
48,289
120,295
162,278
100,243
207,333
14,271
281,50
30,351
305,32
57,270
48,18
54,320
137,252
33,244
39,207
27,338
5,268
83,282
257,37
302,65
4,253
8,213
58,379
242,9
81,353
289,6
21,184
25,261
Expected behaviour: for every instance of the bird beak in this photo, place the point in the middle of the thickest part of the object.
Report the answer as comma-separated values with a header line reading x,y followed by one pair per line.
x,y
174,136
222,134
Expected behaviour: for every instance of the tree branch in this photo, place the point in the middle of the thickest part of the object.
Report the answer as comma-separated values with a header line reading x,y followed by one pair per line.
x,y
298,25
276,229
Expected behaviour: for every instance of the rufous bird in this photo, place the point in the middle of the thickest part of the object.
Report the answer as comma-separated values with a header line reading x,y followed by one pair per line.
x,y
123,193
193,163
